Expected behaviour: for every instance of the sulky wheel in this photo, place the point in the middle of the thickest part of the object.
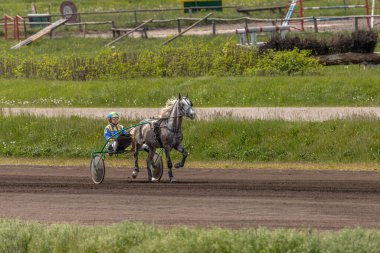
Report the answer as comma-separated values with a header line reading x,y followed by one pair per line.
x,y
158,167
98,169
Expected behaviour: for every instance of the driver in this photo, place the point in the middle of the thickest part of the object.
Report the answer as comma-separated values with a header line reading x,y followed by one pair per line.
x,y
112,128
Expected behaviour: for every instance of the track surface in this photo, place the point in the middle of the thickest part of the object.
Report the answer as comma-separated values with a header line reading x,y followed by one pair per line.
x,y
202,197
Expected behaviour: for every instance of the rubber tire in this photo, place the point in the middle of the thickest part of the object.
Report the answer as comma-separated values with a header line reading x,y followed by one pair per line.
x,y
97,169
158,168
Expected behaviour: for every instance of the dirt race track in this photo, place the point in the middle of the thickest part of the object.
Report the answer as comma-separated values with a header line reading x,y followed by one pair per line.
x,y
202,197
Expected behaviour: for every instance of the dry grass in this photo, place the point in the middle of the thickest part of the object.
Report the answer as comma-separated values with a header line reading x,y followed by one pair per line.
x,y
117,162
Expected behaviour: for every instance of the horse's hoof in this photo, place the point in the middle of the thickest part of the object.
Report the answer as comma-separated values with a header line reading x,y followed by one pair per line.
x,y
134,174
172,180
154,180
177,165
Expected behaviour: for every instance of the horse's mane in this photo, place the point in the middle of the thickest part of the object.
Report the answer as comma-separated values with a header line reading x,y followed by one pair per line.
x,y
165,112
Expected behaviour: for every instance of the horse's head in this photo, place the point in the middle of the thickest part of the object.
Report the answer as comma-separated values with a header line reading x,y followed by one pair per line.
x,y
186,106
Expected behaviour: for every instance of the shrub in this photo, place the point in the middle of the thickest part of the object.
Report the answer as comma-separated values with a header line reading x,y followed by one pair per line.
x,y
234,60
359,42
286,62
192,60
364,41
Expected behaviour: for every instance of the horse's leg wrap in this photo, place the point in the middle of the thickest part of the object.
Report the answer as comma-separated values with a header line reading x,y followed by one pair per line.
x,y
145,148
171,177
135,172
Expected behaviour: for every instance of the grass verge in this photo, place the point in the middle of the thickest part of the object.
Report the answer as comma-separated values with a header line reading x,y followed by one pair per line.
x,y
336,141
19,236
77,46
121,162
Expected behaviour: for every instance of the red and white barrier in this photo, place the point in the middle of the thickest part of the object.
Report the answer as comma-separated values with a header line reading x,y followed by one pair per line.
x,y
370,10
15,23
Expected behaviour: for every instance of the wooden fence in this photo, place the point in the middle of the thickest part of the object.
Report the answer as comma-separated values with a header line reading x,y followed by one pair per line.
x,y
214,22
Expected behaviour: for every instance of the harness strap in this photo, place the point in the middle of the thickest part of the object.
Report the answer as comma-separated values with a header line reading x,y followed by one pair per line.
x,y
176,131
156,126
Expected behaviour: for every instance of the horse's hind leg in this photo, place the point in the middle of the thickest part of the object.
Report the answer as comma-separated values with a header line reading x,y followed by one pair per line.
x,y
136,157
170,165
180,149
151,164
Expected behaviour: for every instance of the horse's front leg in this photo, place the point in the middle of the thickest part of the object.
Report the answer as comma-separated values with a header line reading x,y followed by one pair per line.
x,y
136,157
170,164
181,149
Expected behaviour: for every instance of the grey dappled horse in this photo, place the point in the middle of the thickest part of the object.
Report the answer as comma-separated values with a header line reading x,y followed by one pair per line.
x,y
164,132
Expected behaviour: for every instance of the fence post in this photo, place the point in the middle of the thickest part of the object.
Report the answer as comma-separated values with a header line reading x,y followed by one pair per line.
x,y
213,27
84,30
243,38
113,30
187,29
17,29
345,9
14,28
145,33
50,19
135,14
13,24
5,27
367,13
315,25
51,32
356,24
23,22
179,25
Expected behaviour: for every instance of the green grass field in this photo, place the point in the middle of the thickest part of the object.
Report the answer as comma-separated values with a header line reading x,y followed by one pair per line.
x,y
69,46
336,141
19,236
339,86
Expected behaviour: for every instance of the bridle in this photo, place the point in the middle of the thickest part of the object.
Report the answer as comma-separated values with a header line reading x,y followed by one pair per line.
x,y
188,109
